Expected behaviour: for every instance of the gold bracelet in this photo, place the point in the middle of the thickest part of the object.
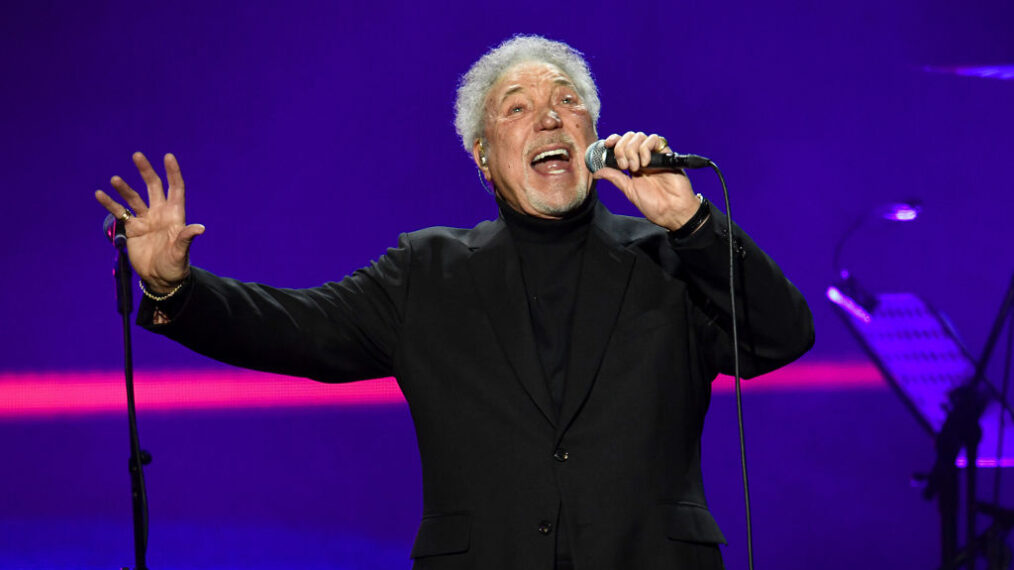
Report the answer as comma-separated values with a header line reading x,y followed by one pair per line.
x,y
163,297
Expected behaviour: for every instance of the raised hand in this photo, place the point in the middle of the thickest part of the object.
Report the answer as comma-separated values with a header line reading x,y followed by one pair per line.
x,y
158,237
666,198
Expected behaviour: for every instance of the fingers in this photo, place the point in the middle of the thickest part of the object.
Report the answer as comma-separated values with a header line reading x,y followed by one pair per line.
x,y
151,179
621,149
633,150
132,198
190,232
185,238
175,179
653,143
109,204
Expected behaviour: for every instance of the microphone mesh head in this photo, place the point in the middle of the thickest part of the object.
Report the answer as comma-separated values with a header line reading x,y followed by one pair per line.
x,y
109,226
595,156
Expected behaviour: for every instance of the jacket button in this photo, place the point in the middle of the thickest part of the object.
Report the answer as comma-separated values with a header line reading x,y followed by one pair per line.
x,y
545,527
561,455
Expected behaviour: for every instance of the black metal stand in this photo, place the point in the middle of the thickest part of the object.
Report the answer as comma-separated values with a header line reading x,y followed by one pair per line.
x,y
962,430
991,543
138,457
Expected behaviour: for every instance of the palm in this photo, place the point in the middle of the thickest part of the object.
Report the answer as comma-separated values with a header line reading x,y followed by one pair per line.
x,y
151,239
158,237
663,197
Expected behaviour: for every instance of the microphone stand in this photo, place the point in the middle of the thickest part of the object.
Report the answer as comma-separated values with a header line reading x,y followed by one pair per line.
x,y
123,274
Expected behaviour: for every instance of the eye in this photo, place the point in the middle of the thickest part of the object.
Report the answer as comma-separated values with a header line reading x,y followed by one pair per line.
x,y
516,109
568,99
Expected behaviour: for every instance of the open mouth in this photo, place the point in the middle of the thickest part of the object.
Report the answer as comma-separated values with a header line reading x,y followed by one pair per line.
x,y
552,161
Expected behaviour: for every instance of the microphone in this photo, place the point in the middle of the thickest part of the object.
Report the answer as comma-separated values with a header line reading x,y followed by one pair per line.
x,y
598,156
115,231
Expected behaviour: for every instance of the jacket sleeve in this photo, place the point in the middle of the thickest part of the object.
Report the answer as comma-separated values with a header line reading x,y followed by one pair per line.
x,y
775,324
338,332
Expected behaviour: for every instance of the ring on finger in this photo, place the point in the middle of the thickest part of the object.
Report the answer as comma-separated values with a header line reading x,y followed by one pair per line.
x,y
662,143
125,215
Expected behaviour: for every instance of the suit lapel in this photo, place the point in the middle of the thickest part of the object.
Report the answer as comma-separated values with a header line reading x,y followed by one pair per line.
x,y
605,272
496,271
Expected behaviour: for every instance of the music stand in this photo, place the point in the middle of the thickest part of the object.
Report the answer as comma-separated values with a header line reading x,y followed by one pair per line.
x,y
922,359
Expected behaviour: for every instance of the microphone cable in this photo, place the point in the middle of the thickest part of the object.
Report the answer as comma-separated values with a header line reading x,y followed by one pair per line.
x,y
598,156
735,362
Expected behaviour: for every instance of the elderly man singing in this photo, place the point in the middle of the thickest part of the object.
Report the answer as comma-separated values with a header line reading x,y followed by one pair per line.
x,y
557,360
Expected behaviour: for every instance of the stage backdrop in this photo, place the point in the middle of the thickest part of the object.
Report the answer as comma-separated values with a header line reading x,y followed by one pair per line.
x,y
311,134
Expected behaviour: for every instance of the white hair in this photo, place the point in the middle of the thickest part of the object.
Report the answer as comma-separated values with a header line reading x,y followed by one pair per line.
x,y
470,106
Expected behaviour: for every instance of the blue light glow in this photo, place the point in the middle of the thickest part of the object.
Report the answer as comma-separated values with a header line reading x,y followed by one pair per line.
x,y
987,71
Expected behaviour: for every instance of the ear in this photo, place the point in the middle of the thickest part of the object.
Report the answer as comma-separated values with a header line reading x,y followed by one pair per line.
x,y
479,156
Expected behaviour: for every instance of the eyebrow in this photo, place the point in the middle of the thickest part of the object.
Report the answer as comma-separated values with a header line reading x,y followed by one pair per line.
x,y
563,81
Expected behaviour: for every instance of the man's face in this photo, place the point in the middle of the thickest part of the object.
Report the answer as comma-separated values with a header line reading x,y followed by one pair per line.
x,y
537,129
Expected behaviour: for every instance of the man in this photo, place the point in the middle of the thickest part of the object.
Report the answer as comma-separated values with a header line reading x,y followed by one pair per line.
x,y
557,361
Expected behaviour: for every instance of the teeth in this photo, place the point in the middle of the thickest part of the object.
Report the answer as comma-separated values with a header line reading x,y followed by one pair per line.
x,y
550,153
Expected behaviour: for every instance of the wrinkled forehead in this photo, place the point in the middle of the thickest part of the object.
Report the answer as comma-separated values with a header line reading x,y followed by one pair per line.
x,y
524,77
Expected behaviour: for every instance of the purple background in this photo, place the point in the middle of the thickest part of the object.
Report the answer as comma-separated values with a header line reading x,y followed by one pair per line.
x,y
311,133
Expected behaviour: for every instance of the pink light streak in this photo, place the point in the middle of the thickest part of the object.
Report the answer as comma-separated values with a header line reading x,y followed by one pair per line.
x,y
47,394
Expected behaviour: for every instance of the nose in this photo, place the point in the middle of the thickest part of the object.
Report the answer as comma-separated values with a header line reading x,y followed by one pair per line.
x,y
550,119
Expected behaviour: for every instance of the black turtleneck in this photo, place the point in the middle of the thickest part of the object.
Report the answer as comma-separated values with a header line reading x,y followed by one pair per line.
x,y
550,252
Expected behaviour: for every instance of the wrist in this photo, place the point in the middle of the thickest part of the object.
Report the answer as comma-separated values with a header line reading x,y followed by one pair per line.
x,y
159,297
696,222
161,287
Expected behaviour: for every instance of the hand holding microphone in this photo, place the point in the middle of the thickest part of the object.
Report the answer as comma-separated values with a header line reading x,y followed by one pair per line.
x,y
598,156
656,184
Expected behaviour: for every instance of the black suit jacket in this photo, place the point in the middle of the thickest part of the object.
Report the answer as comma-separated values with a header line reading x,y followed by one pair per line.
x,y
445,313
